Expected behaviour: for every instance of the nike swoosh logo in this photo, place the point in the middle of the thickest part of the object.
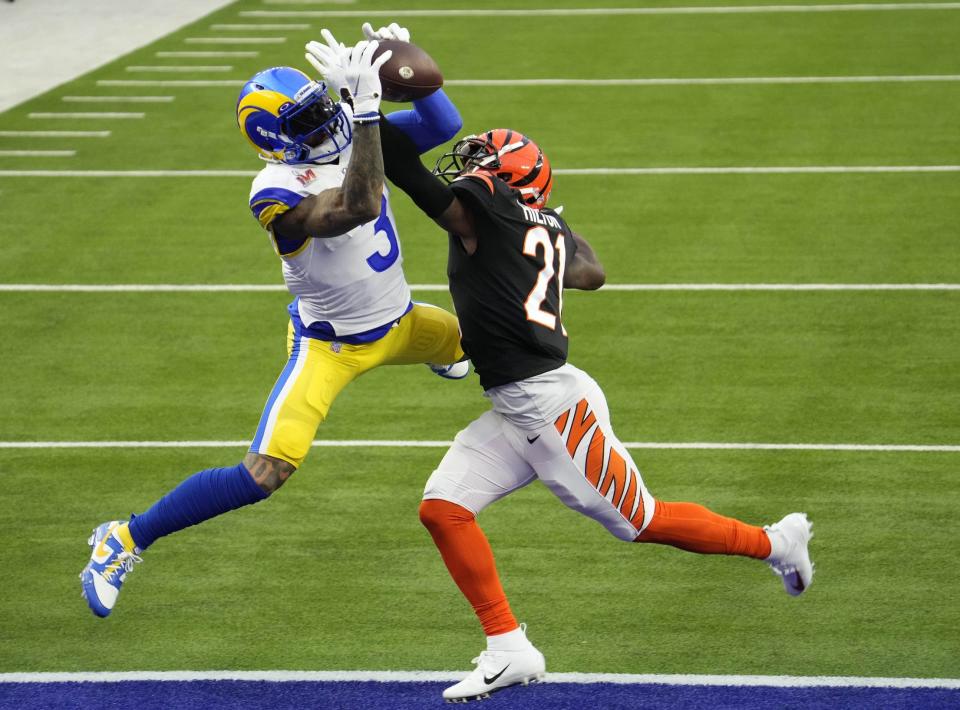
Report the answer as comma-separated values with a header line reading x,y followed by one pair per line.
x,y
529,440
490,679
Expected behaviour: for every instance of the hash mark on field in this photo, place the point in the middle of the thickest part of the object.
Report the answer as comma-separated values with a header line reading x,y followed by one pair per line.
x,y
183,69
255,288
200,55
235,40
228,28
71,116
408,444
54,134
776,681
117,99
37,153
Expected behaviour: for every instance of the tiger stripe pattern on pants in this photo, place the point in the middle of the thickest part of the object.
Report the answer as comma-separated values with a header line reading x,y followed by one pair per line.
x,y
603,466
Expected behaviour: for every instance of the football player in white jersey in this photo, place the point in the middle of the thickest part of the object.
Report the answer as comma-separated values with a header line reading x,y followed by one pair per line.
x,y
322,199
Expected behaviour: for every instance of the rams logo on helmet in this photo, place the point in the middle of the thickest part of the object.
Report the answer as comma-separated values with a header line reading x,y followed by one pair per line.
x,y
289,118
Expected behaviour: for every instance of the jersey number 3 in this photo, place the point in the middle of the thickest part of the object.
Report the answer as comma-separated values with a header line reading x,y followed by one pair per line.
x,y
538,238
378,261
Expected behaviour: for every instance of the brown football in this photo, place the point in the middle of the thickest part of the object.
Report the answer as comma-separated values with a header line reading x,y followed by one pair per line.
x,y
409,74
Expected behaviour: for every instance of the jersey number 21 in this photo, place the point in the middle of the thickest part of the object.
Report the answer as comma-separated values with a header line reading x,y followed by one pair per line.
x,y
537,239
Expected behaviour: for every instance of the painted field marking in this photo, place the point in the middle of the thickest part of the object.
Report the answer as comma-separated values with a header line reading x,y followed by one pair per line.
x,y
235,40
653,81
180,83
180,69
37,153
107,115
428,444
54,134
602,11
230,28
277,288
118,99
775,681
781,170
308,2
711,81
201,54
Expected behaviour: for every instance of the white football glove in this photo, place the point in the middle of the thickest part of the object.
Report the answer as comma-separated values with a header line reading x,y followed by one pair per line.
x,y
391,31
330,60
353,72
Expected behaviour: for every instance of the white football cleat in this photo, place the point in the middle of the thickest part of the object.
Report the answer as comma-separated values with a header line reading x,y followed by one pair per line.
x,y
456,371
497,670
789,555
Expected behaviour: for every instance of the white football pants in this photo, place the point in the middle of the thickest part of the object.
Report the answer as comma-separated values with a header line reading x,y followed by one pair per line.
x,y
565,440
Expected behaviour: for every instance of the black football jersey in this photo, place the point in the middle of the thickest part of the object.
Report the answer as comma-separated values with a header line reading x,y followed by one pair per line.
x,y
508,293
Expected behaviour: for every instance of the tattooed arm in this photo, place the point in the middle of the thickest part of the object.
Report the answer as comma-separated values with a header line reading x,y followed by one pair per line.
x,y
338,210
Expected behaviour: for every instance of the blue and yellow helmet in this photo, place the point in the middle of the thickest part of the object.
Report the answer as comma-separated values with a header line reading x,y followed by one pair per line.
x,y
290,118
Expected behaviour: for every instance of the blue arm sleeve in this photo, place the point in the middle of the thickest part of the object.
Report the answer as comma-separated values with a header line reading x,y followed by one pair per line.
x,y
432,121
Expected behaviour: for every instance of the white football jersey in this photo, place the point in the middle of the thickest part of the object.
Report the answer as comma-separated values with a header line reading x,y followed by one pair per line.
x,y
354,282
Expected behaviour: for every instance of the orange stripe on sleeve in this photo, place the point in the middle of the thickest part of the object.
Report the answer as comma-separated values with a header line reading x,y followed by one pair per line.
x,y
561,422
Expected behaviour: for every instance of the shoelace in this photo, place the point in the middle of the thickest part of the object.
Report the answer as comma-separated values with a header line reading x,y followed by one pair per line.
x,y
125,561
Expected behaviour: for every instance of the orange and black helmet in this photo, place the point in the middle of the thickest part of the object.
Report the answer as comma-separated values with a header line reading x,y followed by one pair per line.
x,y
506,154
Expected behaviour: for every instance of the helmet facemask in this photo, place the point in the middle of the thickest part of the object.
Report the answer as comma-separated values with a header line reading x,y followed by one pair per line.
x,y
504,154
314,126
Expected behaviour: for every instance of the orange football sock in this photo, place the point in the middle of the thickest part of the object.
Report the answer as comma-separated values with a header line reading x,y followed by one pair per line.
x,y
469,559
694,528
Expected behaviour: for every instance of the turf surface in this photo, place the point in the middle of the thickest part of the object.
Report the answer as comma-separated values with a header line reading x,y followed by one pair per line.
x,y
335,572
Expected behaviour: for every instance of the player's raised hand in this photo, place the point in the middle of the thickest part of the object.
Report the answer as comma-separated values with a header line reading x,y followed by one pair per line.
x,y
330,60
362,73
391,31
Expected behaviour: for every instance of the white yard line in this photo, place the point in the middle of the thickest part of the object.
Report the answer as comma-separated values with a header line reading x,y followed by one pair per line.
x,y
235,40
774,681
259,27
37,153
276,288
308,2
186,69
117,99
178,83
200,55
54,134
399,443
71,116
711,81
602,11
759,170
638,82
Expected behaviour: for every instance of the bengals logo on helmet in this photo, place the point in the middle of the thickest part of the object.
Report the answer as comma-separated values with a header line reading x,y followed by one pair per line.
x,y
508,155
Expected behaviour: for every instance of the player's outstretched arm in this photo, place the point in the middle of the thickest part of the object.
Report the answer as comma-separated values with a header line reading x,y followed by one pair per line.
x,y
584,272
338,210
434,197
356,74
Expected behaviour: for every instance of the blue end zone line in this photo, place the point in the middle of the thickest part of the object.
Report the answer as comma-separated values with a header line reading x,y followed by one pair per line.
x,y
446,676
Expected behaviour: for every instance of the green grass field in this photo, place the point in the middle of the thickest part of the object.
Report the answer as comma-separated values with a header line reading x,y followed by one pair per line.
x,y
335,571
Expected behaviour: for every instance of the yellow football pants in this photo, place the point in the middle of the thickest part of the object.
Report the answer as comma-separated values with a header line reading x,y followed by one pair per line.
x,y
317,370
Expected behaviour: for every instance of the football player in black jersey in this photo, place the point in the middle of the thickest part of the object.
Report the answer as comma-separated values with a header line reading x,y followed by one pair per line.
x,y
510,256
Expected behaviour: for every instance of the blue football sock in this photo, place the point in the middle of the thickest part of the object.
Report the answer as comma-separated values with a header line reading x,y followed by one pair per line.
x,y
202,496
